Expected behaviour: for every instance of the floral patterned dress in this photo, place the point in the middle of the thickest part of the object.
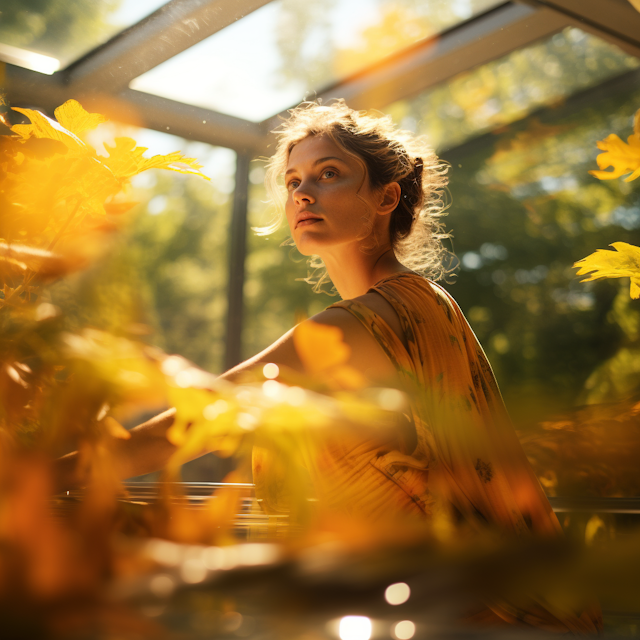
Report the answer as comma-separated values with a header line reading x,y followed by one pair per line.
x,y
465,452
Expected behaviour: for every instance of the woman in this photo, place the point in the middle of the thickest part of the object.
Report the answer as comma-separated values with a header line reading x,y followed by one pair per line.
x,y
365,199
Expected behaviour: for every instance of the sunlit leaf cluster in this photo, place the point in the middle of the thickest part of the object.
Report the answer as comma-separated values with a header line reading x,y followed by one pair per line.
x,y
60,202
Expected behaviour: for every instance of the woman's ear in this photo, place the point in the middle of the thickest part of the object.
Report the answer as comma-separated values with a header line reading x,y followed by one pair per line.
x,y
389,198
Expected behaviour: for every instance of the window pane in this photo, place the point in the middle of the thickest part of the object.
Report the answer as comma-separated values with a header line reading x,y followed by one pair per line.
x,y
270,59
509,88
64,29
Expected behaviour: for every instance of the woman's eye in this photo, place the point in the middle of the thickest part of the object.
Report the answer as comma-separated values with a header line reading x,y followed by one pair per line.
x,y
329,173
293,184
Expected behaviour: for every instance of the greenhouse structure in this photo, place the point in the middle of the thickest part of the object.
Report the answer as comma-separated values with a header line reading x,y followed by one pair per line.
x,y
517,97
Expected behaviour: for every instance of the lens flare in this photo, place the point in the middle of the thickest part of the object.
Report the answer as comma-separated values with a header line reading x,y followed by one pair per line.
x,y
355,628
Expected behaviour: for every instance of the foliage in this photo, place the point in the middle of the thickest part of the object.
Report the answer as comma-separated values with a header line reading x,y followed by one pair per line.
x,y
624,158
180,257
344,46
166,279
622,263
57,194
593,450
544,333
61,202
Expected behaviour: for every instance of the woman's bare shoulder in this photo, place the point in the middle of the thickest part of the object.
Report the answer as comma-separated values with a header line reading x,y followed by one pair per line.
x,y
366,354
379,305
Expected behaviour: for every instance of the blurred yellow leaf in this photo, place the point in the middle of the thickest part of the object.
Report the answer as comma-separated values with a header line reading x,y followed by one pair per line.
x,y
122,368
324,354
203,422
44,127
623,157
125,160
73,117
622,263
59,188
320,346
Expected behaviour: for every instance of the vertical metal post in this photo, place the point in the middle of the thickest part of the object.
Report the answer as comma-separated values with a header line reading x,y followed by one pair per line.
x,y
237,254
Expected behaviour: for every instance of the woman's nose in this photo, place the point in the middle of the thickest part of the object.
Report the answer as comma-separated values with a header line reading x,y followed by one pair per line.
x,y
302,194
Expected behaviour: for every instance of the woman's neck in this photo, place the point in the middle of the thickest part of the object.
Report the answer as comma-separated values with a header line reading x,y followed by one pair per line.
x,y
354,272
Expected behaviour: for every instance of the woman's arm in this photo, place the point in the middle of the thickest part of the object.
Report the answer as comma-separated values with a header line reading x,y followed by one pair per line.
x,y
367,356
148,449
145,451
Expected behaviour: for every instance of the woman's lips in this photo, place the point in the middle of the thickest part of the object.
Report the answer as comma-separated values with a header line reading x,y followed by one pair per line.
x,y
308,221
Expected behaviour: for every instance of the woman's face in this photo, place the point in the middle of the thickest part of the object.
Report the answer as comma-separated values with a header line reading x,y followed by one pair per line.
x,y
329,197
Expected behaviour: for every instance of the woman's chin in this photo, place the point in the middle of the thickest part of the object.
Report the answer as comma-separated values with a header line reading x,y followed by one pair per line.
x,y
305,249
308,246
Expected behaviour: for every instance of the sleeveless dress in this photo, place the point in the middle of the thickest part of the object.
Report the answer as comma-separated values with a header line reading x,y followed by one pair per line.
x,y
464,448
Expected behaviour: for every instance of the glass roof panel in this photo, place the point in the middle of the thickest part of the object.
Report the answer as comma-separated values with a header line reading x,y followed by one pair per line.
x,y
275,56
507,89
47,36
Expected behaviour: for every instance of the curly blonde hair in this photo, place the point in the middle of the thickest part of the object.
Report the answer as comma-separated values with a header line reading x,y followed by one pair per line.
x,y
388,155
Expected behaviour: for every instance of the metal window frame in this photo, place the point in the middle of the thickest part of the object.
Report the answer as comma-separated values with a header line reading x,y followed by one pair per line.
x,y
180,24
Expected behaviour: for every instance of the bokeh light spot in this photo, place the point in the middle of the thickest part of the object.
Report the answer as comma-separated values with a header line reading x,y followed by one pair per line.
x,y
272,389
355,628
404,630
193,571
212,411
162,586
397,593
391,399
270,370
